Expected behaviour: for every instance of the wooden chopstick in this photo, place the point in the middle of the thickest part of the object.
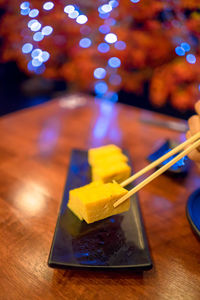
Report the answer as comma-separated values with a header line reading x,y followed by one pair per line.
x,y
157,173
161,159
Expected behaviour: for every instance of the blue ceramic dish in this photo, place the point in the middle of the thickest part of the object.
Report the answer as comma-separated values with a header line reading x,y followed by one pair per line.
x,y
181,168
193,211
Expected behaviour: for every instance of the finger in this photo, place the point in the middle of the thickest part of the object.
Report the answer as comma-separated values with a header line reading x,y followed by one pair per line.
x,y
188,134
195,155
197,107
194,124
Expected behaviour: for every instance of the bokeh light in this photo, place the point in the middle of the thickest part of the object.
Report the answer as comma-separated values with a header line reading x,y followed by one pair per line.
x,y
25,12
120,45
36,62
115,79
114,62
45,56
105,8
36,52
73,15
27,48
82,19
24,5
110,38
99,73
104,29
38,36
85,43
48,5
113,3
185,46
100,87
47,30
69,8
135,1
33,13
35,26
180,51
191,58
103,47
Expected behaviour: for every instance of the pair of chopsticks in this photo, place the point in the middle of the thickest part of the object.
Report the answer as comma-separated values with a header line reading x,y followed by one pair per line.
x,y
192,143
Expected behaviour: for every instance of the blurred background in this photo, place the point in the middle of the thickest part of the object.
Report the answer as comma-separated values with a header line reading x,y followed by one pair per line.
x,y
141,52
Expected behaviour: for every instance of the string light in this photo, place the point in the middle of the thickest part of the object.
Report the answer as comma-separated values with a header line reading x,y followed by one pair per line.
x,y
33,13
69,9
120,45
180,51
103,47
48,5
25,11
191,58
104,29
38,36
24,5
73,15
101,87
85,43
82,19
27,48
114,62
99,73
110,38
47,30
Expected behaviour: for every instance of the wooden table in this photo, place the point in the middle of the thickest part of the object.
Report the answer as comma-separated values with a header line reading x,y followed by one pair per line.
x,y
35,147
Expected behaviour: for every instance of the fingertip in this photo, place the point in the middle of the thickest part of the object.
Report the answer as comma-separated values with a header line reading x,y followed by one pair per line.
x,y
197,107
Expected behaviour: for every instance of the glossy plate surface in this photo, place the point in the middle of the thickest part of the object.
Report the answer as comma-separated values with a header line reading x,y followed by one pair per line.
x,y
116,242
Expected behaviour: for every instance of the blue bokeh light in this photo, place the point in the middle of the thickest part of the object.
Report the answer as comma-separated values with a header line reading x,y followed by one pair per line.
x,y
82,19
73,15
180,51
85,43
35,26
104,16
69,8
120,45
110,22
47,30
48,5
100,87
27,48
106,8
185,46
99,73
38,36
45,56
24,5
112,96
114,62
115,79
30,23
191,58
104,29
36,62
25,12
36,52
33,13
111,38
135,1
103,47
113,3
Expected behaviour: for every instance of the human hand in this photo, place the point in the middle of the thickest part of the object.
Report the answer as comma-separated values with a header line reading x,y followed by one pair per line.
x,y
194,127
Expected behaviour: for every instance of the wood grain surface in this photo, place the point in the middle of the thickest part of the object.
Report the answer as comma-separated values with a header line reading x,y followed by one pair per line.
x,y
35,146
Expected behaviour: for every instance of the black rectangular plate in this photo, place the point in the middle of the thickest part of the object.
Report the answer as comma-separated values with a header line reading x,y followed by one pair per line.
x,y
116,242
